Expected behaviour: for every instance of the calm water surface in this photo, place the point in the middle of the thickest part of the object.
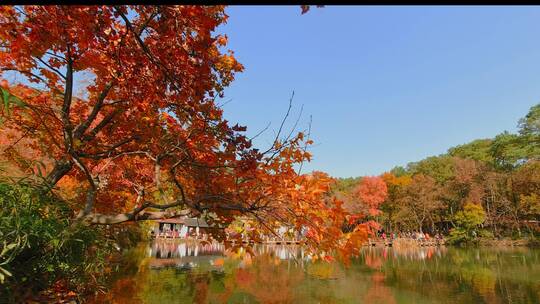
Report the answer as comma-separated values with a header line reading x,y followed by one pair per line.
x,y
180,272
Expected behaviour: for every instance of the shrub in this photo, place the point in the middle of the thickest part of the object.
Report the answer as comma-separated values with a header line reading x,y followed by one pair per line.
x,y
40,247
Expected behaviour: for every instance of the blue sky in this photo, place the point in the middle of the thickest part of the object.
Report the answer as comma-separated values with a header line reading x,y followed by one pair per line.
x,y
385,85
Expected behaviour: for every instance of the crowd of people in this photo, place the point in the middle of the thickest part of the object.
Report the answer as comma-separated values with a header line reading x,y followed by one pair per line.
x,y
418,236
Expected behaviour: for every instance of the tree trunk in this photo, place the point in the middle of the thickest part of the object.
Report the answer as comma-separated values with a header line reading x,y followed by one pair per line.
x,y
60,169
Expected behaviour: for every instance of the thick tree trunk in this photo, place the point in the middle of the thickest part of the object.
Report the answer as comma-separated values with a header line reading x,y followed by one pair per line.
x,y
61,168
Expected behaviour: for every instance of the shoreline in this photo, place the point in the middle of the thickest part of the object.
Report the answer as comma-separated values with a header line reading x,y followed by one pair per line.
x,y
405,242
508,243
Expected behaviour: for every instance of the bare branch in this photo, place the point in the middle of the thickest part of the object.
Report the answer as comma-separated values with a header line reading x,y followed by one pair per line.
x,y
52,68
282,122
304,149
261,132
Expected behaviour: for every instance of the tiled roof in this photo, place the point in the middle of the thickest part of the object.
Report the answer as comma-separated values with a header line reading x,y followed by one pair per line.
x,y
171,221
190,222
195,222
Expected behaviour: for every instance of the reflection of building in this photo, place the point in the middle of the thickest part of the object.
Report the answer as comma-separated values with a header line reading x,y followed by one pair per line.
x,y
183,254
188,254
180,249
283,252
181,228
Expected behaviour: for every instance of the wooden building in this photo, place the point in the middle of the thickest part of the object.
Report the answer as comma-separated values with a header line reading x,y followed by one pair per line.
x,y
180,228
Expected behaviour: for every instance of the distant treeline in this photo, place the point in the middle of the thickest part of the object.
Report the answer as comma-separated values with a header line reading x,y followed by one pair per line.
x,y
490,185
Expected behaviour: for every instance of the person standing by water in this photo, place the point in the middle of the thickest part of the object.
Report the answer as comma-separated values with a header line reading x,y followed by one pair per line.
x,y
438,238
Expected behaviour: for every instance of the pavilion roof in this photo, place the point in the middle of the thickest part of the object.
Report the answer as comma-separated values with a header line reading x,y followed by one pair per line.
x,y
190,222
171,221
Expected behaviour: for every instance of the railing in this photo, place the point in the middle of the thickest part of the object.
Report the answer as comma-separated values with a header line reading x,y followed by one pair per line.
x,y
172,234
405,241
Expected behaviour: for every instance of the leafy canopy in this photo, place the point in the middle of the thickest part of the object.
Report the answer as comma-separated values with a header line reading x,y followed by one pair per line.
x,y
121,110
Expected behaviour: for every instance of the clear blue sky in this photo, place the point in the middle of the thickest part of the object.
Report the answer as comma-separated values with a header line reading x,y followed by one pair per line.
x,y
385,85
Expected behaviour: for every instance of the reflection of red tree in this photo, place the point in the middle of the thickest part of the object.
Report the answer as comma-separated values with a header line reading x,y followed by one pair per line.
x,y
267,282
373,261
201,289
377,277
378,292
244,277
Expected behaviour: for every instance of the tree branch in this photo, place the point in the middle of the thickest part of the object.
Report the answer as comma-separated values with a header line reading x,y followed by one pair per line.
x,y
68,93
81,128
52,68
145,48
102,124
91,192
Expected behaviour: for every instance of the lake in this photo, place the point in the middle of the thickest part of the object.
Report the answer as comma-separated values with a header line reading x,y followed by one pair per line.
x,y
170,271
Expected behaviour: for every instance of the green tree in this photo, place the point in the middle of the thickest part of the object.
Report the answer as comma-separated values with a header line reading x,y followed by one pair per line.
x,y
467,222
512,150
346,184
509,150
530,124
441,168
479,149
399,171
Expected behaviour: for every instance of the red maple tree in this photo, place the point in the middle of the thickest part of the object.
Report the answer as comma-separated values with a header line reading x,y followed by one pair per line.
x,y
145,138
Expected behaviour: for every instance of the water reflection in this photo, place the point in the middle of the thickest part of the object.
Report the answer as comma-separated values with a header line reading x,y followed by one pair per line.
x,y
183,254
182,272
177,249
